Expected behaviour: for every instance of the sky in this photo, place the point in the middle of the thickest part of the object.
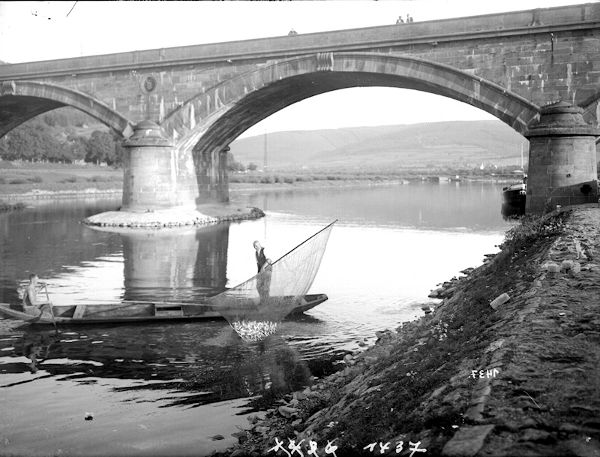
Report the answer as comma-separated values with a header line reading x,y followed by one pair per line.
x,y
33,31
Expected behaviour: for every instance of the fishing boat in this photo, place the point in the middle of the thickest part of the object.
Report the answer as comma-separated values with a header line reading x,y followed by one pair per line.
x,y
255,307
132,311
279,290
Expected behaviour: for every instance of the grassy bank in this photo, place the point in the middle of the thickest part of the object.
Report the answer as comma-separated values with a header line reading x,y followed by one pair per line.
x,y
417,384
22,177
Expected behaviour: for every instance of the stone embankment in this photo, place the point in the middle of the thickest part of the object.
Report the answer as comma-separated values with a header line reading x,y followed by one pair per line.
x,y
517,378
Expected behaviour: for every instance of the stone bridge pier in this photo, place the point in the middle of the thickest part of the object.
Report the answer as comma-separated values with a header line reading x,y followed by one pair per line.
x,y
157,175
562,159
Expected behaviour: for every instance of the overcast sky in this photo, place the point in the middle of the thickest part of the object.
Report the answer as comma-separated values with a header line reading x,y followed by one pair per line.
x,y
31,31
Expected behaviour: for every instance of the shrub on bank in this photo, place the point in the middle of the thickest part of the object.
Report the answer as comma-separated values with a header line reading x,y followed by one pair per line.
x,y
533,228
69,179
4,206
97,178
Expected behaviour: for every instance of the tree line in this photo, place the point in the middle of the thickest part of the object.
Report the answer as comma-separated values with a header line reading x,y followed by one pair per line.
x,y
44,139
53,137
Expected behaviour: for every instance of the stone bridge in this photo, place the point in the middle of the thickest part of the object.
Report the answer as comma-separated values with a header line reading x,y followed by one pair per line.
x,y
177,109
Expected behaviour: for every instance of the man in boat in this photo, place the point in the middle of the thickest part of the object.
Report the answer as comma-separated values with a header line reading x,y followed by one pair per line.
x,y
263,282
31,303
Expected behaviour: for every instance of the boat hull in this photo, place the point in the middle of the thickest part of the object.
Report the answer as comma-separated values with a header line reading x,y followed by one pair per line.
x,y
514,199
132,312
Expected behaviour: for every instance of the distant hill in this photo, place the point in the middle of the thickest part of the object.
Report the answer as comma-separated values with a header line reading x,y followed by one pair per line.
x,y
457,143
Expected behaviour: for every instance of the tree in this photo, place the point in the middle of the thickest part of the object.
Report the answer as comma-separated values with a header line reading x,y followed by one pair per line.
x,y
232,165
100,148
252,166
26,142
77,147
119,151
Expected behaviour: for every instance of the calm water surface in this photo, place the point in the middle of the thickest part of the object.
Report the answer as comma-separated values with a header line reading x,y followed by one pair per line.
x,y
391,246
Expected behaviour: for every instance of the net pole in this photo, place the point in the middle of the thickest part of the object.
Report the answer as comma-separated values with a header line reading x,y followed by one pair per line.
x,y
304,242
287,253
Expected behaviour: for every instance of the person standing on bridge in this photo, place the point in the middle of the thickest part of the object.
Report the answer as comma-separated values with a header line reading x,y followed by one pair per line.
x,y
399,20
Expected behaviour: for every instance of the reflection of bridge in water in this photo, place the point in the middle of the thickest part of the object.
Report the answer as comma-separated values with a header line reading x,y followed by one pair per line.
x,y
82,264
181,264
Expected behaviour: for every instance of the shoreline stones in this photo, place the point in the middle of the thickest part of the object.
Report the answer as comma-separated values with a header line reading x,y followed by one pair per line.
x,y
167,218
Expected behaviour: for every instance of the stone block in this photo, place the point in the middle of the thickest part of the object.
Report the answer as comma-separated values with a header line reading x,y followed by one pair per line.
x,y
467,441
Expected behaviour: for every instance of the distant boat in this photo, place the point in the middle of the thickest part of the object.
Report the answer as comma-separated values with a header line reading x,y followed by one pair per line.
x,y
514,198
515,194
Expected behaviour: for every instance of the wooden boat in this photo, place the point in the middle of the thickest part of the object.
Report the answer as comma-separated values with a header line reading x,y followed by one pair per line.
x,y
133,311
515,194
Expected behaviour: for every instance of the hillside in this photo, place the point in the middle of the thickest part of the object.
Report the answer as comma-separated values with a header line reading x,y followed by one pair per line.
x,y
457,143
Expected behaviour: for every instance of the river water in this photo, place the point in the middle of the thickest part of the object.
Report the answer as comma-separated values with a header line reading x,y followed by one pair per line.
x,y
173,388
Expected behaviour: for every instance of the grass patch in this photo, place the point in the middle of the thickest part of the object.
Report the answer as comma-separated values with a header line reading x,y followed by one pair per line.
x,y
69,179
108,178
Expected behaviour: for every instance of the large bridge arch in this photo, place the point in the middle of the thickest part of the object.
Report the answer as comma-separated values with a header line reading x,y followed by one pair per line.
x,y
591,112
214,118
23,100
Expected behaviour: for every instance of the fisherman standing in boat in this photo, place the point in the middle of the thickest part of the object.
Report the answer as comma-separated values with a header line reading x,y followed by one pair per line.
x,y
30,299
263,282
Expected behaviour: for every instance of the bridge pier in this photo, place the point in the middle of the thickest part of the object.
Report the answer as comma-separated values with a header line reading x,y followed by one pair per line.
x,y
167,187
211,171
562,160
155,175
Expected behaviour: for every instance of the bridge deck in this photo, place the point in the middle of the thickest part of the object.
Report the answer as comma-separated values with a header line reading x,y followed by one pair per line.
x,y
562,18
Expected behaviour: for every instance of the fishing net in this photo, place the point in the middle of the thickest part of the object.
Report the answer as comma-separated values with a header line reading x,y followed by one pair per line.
x,y
255,307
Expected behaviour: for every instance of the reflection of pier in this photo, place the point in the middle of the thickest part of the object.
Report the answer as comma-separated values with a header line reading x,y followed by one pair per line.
x,y
178,264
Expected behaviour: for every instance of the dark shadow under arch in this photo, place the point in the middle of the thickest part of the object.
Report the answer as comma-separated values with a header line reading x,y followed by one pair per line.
x,y
23,100
591,111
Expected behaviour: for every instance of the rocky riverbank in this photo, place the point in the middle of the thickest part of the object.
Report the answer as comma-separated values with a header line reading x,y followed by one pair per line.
x,y
517,378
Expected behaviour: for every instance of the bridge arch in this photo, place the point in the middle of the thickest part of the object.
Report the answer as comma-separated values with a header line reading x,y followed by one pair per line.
x,y
213,119
591,111
23,100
